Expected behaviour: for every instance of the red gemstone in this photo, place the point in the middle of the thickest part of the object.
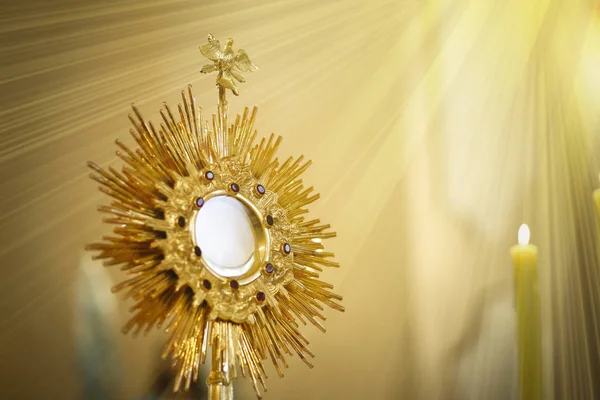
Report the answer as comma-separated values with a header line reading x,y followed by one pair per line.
x,y
181,221
260,189
209,175
234,187
260,296
270,220
197,251
199,202
206,284
234,284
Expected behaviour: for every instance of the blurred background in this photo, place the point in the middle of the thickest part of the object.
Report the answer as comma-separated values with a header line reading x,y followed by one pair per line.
x,y
435,127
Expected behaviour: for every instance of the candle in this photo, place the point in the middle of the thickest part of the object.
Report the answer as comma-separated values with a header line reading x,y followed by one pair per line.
x,y
597,201
529,335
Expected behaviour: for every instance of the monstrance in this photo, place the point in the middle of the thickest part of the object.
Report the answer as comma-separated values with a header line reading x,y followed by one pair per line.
x,y
211,229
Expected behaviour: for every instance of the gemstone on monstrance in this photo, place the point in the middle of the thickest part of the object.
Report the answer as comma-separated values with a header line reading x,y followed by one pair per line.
x,y
260,296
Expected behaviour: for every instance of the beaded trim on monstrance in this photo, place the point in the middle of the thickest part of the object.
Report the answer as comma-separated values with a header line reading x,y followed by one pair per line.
x,y
164,183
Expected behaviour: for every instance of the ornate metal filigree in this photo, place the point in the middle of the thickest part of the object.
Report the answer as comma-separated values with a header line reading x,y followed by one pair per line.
x,y
156,197
178,246
227,63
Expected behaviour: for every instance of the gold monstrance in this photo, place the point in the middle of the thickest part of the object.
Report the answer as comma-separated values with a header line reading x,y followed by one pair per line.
x,y
210,228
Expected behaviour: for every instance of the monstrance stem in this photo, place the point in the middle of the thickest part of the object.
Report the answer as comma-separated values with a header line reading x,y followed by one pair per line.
x,y
219,382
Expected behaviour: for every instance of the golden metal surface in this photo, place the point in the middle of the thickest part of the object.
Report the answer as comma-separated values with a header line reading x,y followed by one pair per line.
x,y
154,203
220,379
227,64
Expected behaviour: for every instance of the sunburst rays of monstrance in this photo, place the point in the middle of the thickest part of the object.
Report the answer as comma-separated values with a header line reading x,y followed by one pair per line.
x,y
157,199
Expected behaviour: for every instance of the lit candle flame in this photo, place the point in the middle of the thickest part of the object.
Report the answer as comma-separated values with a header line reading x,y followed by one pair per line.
x,y
523,235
